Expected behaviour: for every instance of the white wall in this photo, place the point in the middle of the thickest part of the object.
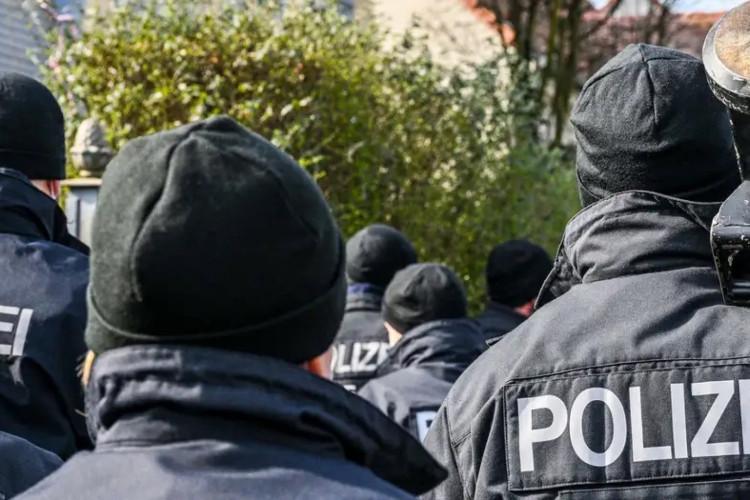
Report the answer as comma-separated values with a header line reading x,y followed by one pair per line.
x,y
455,34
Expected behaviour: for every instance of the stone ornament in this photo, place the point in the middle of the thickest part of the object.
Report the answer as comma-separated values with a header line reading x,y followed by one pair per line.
x,y
91,151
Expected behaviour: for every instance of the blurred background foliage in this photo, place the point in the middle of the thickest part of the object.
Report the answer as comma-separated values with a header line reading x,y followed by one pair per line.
x,y
449,156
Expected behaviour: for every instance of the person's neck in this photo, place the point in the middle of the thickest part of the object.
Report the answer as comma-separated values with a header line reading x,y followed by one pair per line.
x,y
50,188
526,309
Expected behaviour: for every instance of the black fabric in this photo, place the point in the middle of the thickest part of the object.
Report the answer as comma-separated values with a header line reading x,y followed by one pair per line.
x,y
648,121
497,320
516,271
374,254
421,368
422,293
633,302
209,235
175,422
42,294
362,342
32,128
22,465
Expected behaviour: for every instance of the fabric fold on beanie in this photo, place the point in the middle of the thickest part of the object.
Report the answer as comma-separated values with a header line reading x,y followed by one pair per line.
x,y
234,339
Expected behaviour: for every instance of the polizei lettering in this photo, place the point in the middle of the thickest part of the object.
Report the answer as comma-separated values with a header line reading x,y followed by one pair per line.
x,y
358,358
630,426
14,326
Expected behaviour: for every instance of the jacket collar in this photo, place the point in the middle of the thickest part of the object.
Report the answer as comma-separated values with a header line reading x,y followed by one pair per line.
x,y
445,342
363,297
631,233
496,309
157,394
26,211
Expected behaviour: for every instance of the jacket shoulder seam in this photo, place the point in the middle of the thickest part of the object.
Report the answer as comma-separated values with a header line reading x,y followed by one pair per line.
x,y
453,452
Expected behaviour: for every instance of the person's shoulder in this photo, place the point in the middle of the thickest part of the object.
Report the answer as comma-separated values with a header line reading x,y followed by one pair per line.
x,y
484,380
376,386
23,464
174,472
56,257
18,453
389,388
17,446
362,325
57,252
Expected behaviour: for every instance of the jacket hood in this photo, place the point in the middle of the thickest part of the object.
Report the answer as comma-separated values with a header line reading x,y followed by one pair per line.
x,y
26,211
158,394
363,297
648,121
445,342
631,233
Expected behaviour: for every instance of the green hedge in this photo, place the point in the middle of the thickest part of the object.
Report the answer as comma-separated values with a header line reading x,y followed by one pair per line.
x,y
391,136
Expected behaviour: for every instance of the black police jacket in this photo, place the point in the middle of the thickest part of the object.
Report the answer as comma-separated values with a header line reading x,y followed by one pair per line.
x,y
42,318
185,422
22,465
362,342
497,320
420,370
631,381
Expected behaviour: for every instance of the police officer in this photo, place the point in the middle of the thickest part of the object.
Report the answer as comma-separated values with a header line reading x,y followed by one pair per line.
x,y
633,378
373,256
515,273
217,289
432,343
43,276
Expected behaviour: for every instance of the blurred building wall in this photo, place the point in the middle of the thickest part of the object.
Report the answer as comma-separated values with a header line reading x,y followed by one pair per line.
x,y
16,38
455,34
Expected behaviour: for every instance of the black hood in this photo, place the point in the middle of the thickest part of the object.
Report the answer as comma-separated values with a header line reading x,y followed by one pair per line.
x,y
629,234
160,394
456,343
648,121
26,211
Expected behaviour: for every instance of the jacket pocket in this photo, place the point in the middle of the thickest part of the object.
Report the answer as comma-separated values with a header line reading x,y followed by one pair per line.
x,y
725,489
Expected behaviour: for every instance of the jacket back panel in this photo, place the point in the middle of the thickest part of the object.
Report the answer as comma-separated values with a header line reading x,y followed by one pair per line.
x,y
360,346
650,385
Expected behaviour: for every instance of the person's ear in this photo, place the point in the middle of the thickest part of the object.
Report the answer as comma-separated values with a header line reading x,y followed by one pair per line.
x,y
393,335
527,309
88,364
54,187
321,365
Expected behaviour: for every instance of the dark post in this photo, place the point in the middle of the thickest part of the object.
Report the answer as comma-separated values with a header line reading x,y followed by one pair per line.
x,y
91,154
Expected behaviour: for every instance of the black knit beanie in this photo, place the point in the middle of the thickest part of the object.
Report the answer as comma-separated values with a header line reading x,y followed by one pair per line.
x,y
516,271
209,235
376,253
648,121
422,293
32,129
